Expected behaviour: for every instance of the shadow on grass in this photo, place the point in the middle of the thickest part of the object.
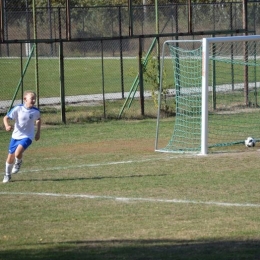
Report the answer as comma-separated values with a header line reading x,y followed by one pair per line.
x,y
90,178
139,249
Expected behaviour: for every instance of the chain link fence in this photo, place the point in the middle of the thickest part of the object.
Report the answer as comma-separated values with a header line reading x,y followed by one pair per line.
x,y
95,73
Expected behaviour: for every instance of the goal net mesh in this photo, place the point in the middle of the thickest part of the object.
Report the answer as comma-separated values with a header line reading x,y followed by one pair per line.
x,y
233,94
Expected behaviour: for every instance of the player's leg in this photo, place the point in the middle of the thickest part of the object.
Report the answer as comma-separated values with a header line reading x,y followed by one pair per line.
x,y
14,158
10,160
18,158
8,167
22,145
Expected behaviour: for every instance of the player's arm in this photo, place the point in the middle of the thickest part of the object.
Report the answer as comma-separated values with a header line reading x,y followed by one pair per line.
x,y
38,129
6,123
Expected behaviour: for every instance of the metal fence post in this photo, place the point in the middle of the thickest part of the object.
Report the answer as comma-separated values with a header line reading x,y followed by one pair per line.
x,y
62,88
141,81
1,21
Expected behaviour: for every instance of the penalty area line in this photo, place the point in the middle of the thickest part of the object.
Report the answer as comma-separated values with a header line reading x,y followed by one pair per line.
x,y
85,165
125,199
98,164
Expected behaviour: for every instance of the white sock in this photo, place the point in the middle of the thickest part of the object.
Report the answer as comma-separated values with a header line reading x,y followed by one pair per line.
x,y
17,160
8,168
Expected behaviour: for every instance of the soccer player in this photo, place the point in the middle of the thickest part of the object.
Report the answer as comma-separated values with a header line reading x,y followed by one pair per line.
x,y
26,116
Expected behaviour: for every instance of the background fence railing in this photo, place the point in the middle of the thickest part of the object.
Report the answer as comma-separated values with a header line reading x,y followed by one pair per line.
x,y
97,66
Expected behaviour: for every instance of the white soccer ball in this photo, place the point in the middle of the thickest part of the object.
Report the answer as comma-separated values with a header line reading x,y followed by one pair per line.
x,y
250,142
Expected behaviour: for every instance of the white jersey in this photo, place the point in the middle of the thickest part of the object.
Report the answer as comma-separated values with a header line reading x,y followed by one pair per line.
x,y
24,121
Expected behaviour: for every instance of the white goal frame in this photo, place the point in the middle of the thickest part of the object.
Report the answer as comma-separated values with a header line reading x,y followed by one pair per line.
x,y
206,42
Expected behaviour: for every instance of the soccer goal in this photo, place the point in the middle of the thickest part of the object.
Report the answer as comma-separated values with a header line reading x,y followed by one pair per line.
x,y
215,92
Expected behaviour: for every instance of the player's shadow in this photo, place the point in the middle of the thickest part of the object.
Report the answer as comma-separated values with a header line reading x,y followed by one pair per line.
x,y
89,178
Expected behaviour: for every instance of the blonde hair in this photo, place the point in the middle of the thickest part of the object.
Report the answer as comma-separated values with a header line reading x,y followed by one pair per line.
x,y
29,92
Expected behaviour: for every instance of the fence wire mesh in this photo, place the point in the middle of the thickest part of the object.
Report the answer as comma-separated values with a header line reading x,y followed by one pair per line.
x,y
98,67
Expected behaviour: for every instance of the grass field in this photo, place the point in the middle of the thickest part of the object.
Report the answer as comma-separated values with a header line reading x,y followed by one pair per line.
x,y
85,76
82,76
99,191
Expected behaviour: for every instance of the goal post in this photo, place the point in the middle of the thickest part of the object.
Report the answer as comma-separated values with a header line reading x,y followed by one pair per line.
x,y
215,88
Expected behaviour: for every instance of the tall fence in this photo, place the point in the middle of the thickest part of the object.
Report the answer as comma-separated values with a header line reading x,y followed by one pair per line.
x,y
96,64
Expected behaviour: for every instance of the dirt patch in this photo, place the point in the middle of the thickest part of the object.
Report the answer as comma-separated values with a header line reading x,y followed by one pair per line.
x,y
110,146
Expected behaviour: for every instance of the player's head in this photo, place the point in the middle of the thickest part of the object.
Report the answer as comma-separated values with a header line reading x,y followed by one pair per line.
x,y
29,98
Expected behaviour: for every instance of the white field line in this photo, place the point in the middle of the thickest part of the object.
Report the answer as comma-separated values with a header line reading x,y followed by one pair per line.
x,y
124,199
105,164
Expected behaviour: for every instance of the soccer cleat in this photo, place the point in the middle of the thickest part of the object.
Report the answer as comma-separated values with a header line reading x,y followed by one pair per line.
x,y
16,167
7,178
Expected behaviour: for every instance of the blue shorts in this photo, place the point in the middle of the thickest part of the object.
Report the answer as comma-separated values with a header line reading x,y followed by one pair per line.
x,y
25,143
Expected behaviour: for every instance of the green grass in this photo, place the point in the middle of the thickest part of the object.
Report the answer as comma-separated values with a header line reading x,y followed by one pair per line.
x,y
116,159
82,76
85,76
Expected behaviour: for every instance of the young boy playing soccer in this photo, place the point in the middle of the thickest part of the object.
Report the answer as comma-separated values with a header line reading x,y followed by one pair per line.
x,y
25,116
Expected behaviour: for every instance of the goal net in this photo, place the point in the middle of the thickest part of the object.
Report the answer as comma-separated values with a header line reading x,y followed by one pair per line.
x,y
215,93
